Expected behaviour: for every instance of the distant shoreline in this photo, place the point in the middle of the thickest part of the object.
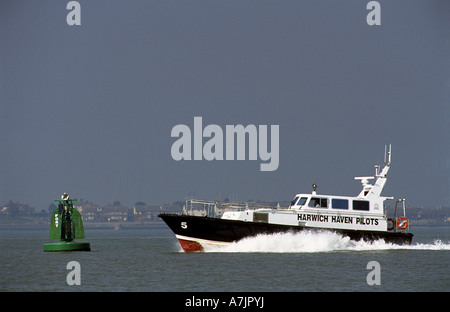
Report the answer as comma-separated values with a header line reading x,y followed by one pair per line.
x,y
87,226
93,226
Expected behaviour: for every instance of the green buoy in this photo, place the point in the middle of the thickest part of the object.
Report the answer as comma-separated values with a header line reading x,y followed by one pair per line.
x,y
66,225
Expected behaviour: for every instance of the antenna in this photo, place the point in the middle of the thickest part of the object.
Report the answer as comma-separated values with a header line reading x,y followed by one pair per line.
x,y
388,153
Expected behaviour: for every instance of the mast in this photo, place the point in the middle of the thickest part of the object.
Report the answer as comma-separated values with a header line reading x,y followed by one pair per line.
x,y
375,190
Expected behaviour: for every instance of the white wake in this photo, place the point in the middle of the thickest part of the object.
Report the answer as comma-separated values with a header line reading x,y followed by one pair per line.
x,y
309,242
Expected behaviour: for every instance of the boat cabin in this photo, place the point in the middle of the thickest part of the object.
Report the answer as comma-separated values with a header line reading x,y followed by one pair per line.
x,y
306,201
368,200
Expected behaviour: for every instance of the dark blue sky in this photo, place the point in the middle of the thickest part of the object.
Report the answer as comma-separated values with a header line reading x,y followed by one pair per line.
x,y
89,109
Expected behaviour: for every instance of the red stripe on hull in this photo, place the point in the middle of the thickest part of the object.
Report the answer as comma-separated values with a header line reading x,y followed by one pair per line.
x,y
190,246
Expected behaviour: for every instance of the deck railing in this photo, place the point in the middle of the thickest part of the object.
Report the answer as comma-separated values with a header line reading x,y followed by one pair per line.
x,y
196,207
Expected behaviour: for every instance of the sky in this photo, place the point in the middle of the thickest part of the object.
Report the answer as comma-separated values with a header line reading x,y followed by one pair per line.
x,y
89,109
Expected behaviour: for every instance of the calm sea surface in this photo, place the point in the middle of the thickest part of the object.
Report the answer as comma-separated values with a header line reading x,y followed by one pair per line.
x,y
151,260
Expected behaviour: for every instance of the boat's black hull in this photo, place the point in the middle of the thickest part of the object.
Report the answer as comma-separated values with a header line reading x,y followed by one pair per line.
x,y
227,231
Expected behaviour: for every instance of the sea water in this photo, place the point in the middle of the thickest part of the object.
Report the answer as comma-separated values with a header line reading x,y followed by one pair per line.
x,y
152,260
314,242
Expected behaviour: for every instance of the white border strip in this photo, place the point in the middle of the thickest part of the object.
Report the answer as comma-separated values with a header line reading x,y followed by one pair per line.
x,y
203,242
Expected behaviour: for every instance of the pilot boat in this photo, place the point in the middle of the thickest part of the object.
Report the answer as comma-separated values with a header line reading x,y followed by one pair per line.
x,y
362,217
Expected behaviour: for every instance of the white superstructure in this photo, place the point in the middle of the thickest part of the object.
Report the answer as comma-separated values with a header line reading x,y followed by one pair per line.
x,y
363,212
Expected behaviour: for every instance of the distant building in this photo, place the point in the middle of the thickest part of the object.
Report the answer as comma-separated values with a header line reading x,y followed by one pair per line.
x,y
89,214
114,214
94,213
16,208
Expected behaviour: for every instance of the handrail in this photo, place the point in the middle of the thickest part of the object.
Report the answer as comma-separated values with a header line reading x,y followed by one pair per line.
x,y
404,216
404,208
213,208
243,206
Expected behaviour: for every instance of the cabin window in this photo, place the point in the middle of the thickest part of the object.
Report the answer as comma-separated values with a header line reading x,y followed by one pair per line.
x,y
361,205
318,202
302,201
294,201
337,203
260,217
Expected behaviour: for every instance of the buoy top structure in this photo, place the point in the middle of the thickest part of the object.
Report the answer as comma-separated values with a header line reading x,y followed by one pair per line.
x,y
66,225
